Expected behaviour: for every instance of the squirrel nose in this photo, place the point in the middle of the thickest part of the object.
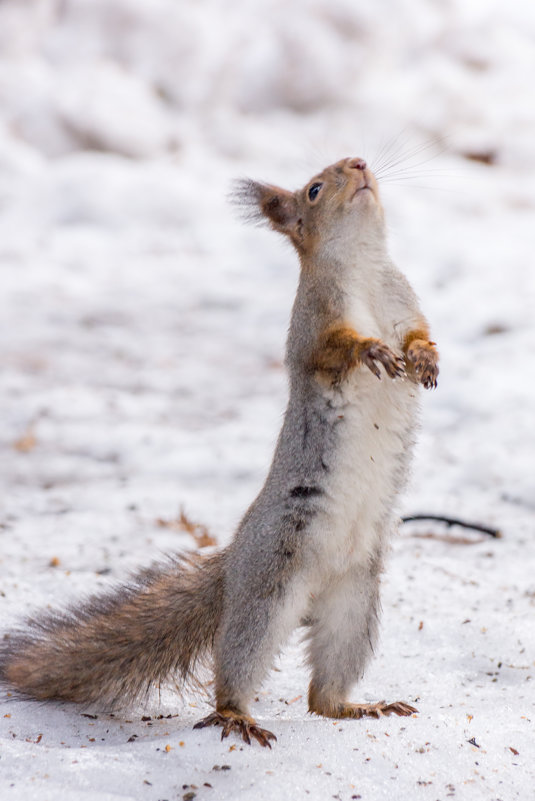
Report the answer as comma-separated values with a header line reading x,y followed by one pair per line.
x,y
357,164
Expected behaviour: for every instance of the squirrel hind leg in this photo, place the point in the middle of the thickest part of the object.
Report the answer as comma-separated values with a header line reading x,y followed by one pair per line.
x,y
344,630
341,641
260,613
342,637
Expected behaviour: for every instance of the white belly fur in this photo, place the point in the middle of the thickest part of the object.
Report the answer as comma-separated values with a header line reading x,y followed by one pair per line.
x,y
377,419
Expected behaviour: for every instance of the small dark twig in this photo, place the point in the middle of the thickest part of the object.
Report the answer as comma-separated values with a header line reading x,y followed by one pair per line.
x,y
452,521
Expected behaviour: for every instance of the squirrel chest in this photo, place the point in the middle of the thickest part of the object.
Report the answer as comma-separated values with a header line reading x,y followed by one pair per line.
x,y
369,432
373,423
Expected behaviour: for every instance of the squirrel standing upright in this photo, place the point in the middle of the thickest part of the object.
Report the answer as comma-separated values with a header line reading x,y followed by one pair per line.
x,y
309,550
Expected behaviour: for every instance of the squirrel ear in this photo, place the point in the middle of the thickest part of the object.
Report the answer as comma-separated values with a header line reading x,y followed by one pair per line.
x,y
264,202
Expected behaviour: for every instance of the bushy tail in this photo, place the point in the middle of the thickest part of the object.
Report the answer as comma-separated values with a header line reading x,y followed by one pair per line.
x,y
111,649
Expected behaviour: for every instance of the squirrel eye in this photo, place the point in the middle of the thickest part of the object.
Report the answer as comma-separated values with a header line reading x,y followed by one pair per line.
x,y
313,191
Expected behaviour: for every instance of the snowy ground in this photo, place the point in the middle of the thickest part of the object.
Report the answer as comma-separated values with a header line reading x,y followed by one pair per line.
x,y
142,335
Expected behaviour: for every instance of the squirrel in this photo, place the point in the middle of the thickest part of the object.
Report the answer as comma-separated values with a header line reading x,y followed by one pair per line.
x,y
310,549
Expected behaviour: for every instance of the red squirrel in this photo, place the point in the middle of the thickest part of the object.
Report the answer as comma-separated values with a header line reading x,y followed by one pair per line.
x,y
309,550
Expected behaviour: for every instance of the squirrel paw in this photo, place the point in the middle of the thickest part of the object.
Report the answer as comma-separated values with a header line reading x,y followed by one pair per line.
x,y
423,359
376,351
242,724
378,710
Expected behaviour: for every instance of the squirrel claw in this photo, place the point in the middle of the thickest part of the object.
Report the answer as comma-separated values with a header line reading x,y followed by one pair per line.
x,y
399,708
378,352
428,377
242,724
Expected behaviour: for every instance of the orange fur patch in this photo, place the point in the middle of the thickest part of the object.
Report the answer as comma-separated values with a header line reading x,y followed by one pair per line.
x,y
416,334
234,714
341,348
337,349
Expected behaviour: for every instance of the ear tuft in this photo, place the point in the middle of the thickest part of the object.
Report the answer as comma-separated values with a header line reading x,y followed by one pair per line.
x,y
260,203
246,197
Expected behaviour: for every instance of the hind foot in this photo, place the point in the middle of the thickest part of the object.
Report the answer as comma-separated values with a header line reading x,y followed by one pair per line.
x,y
345,709
236,721
378,710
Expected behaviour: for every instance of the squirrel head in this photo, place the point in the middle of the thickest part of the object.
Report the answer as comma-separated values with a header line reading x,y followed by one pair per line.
x,y
335,210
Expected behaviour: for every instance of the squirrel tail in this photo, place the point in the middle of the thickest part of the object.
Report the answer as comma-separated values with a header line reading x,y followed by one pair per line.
x,y
114,647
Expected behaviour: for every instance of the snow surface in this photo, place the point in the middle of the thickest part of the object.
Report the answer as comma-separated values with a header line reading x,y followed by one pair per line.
x,y
142,335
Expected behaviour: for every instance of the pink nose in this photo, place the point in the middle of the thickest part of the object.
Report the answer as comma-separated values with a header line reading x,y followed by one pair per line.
x,y
357,164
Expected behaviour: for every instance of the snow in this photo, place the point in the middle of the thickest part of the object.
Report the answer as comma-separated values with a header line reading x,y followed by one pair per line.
x,y
142,333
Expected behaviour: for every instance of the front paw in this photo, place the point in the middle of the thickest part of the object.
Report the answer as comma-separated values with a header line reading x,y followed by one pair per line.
x,y
374,352
422,360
